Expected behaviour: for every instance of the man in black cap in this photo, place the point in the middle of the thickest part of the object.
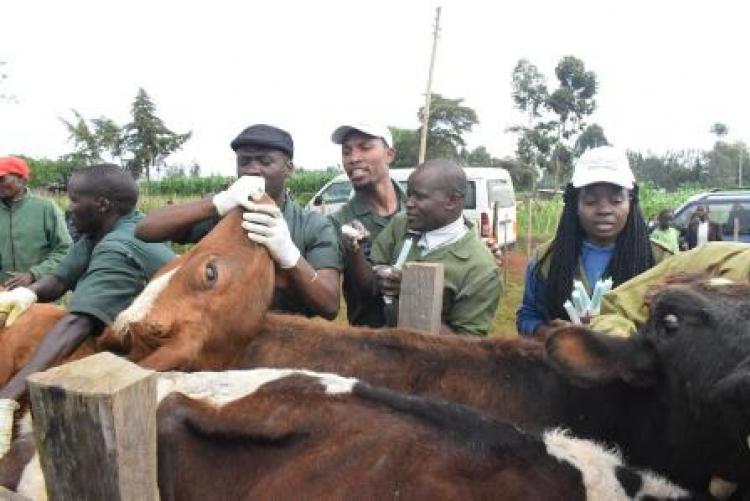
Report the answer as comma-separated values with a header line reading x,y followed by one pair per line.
x,y
304,244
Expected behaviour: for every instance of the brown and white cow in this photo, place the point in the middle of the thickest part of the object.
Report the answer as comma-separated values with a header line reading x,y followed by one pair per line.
x,y
287,434
632,392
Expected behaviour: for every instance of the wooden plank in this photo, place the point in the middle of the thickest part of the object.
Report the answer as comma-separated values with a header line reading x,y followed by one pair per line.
x,y
95,429
421,298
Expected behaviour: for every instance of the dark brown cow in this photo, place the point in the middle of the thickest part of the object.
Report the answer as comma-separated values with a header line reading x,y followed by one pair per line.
x,y
644,402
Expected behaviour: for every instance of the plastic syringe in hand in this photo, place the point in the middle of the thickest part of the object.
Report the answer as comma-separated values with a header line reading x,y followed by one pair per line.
x,y
401,259
600,289
580,305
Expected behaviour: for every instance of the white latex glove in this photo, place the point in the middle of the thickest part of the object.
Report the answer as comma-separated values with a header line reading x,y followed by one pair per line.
x,y
266,225
15,301
237,195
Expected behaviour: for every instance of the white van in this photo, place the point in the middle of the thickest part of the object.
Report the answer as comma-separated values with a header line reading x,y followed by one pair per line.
x,y
489,196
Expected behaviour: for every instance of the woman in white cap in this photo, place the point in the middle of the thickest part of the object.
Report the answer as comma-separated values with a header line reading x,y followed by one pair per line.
x,y
601,234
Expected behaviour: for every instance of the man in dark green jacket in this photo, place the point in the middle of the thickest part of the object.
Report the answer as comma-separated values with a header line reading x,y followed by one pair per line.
x,y
366,153
433,230
33,235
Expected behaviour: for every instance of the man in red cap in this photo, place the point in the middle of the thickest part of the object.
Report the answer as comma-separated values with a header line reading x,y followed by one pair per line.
x,y
33,235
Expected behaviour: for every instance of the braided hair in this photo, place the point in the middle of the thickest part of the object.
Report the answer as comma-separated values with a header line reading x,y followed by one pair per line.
x,y
632,254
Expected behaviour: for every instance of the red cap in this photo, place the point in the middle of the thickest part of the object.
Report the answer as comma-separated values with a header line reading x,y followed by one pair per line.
x,y
14,165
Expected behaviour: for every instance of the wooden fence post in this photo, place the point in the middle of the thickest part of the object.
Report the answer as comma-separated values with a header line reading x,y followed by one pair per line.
x,y
420,301
95,429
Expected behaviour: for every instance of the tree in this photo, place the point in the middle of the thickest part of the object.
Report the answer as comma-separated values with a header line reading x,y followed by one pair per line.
x,y
406,143
92,140
720,130
591,137
147,139
554,120
447,123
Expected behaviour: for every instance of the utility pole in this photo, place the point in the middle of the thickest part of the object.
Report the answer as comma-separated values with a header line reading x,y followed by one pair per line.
x,y
428,95
742,152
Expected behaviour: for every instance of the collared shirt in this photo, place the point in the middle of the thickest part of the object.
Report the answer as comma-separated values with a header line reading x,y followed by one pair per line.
x,y
358,208
362,310
107,275
472,286
434,239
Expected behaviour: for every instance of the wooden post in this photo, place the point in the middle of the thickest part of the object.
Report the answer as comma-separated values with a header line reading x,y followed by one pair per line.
x,y
420,301
95,429
529,215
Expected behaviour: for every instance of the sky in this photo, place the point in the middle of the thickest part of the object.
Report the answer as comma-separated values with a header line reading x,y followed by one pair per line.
x,y
666,69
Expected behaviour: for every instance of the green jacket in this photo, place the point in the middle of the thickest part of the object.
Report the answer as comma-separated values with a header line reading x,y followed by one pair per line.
x,y
360,308
472,285
106,276
33,236
623,310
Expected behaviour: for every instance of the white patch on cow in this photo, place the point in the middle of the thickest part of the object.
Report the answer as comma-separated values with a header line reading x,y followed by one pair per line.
x,y
597,465
227,386
719,282
32,483
25,424
143,303
720,488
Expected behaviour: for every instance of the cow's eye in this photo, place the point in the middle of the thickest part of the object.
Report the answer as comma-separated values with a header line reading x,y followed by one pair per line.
x,y
671,322
212,273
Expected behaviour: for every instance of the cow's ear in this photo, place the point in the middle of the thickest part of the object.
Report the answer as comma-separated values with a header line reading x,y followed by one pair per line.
x,y
589,358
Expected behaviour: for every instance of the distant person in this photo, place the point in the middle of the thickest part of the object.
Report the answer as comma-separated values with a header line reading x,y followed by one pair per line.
x,y
105,269
434,230
366,153
665,233
303,244
602,234
740,217
701,229
33,235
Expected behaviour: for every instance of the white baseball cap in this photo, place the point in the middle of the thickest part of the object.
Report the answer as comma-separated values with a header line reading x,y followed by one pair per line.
x,y
369,129
604,164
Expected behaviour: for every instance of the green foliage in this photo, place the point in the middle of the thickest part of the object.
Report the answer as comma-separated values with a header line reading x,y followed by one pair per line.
x,y
554,119
147,140
92,140
406,143
50,173
447,123
719,129
591,137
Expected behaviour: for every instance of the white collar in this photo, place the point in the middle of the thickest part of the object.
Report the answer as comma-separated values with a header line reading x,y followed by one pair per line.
x,y
439,237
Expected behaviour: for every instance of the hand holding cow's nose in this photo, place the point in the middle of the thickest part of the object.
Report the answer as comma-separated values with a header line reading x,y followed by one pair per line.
x,y
15,301
388,279
266,225
239,193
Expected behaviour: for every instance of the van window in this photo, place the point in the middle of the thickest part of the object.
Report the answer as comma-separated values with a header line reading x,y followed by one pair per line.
x,y
499,191
470,200
723,213
337,192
